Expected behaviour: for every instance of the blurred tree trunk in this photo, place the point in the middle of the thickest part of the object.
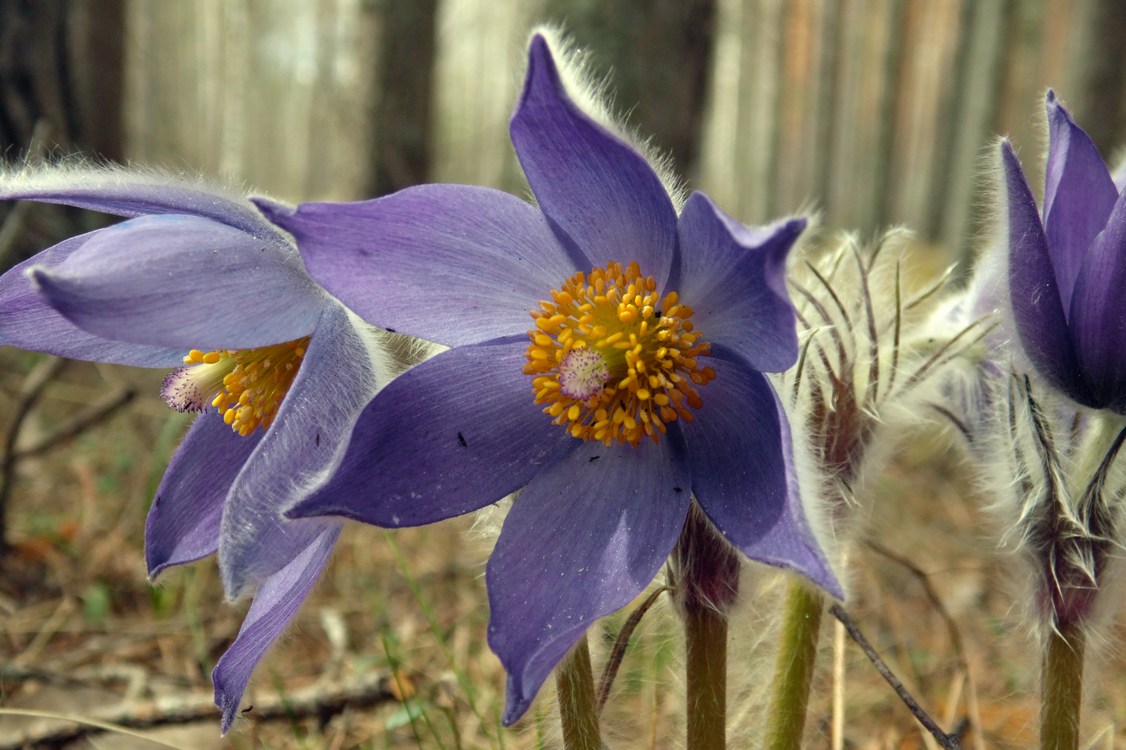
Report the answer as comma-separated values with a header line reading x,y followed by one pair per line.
x,y
60,92
402,119
658,54
61,68
1100,96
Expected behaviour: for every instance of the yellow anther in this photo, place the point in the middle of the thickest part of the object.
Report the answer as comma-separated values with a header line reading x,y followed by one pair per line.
x,y
607,365
246,386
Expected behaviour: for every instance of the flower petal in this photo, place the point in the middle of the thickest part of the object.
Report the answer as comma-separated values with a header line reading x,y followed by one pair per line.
x,y
584,538
600,195
132,192
734,279
183,522
1038,313
741,456
1078,196
275,603
447,437
489,258
173,280
1098,315
28,322
336,381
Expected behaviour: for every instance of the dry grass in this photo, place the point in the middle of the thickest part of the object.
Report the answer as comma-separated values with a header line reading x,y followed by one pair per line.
x,y
82,631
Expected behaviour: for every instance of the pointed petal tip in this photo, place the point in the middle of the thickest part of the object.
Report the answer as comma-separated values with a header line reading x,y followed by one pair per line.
x,y
514,711
275,211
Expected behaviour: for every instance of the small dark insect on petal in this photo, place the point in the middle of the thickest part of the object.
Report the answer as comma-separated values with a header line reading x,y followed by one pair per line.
x,y
592,459
391,330
461,439
317,440
677,489
248,709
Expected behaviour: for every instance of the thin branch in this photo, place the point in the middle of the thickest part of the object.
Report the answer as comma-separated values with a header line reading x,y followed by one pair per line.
x,y
97,413
952,630
32,389
947,741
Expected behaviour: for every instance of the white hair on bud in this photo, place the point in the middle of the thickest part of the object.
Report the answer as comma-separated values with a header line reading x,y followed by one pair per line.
x,y
591,92
868,365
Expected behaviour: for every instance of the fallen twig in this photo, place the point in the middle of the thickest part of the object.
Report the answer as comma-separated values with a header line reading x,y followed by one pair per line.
x,y
315,701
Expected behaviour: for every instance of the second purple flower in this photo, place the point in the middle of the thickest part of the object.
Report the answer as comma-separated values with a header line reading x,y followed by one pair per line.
x,y
642,334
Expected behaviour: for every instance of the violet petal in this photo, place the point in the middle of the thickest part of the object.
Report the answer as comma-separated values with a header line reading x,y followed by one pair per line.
x,y
447,437
133,192
597,191
734,279
585,537
489,258
275,603
1098,315
183,281
335,382
183,522
1038,313
741,455
28,322
1078,196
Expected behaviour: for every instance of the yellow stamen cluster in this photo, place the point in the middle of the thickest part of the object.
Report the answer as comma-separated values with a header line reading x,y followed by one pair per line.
x,y
610,363
246,385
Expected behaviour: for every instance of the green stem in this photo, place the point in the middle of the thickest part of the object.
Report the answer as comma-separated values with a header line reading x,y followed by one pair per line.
x,y
1061,689
705,638
578,709
793,667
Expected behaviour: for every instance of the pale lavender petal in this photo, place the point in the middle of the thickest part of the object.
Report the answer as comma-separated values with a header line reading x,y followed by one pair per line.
x,y
741,456
597,191
447,437
1078,196
28,322
183,522
584,538
336,381
275,603
454,264
134,192
1098,315
182,281
1038,313
734,279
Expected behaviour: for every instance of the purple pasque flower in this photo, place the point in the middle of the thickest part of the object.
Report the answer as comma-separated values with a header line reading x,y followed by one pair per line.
x,y
277,369
1066,271
649,336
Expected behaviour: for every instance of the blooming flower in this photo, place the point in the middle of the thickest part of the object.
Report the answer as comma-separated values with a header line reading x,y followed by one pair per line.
x,y
277,369
646,344
1066,272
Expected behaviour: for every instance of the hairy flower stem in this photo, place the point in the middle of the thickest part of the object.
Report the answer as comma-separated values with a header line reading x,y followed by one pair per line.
x,y
793,667
578,709
1061,690
705,570
705,632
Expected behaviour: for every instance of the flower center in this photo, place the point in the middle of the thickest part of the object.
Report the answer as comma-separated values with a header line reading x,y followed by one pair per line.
x,y
609,362
246,385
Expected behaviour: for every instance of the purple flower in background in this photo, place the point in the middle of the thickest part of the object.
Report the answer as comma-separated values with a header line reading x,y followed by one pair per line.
x,y
649,334
1067,272
278,370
